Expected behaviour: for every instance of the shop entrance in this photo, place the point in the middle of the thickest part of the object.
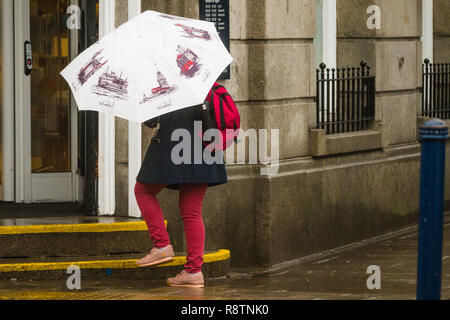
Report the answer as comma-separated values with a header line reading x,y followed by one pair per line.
x,y
45,116
47,147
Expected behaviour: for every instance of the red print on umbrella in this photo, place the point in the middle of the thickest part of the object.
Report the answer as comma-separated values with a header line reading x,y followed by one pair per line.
x,y
192,32
161,90
89,69
188,62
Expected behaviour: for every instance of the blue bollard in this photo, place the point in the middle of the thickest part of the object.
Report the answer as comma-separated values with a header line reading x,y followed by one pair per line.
x,y
433,135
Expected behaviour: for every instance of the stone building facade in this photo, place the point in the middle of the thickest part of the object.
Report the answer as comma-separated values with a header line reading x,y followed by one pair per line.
x,y
365,184
441,28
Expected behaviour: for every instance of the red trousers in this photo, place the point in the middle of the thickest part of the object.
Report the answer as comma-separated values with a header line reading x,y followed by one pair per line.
x,y
190,203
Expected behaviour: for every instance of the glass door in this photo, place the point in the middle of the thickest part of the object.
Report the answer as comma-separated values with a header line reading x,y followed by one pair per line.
x,y
48,112
50,96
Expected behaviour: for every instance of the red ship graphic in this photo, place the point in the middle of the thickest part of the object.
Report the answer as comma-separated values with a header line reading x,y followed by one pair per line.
x,y
162,15
112,85
194,32
161,90
89,69
187,61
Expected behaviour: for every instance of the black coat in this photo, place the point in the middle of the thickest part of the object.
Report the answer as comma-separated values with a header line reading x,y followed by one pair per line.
x,y
158,167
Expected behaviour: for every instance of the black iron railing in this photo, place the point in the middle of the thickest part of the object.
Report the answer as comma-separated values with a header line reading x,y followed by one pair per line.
x,y
345,98
436,90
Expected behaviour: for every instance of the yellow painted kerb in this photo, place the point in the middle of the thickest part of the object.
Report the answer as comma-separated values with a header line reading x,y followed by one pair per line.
x,y
70,228
219,255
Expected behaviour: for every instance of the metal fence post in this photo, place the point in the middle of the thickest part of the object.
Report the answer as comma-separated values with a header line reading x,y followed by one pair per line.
x,y
433,135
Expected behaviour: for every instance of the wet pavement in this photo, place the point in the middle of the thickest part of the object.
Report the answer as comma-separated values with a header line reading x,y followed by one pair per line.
x,y
335,274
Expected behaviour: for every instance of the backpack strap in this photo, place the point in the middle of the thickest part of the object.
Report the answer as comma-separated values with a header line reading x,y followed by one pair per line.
x,y
223,95
222,114
213,90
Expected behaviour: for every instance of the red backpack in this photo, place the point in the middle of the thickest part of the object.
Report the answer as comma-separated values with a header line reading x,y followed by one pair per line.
x,y
223,115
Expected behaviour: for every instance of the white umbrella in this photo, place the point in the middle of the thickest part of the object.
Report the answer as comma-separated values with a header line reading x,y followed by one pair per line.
x,y
151,65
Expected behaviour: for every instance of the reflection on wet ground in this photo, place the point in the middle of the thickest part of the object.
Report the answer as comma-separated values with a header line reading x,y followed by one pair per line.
x,y
338,275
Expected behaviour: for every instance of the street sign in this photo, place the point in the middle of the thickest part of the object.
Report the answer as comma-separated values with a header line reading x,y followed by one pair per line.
x,y
218,11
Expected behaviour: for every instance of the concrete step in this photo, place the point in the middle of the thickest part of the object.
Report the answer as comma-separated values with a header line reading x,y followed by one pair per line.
x,y
216,264
74,239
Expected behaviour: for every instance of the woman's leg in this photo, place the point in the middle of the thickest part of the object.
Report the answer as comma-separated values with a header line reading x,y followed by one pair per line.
x,y
151,212
190,203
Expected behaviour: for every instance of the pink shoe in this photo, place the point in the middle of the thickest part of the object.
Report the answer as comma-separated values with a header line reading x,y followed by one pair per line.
x,y
184,279
156,256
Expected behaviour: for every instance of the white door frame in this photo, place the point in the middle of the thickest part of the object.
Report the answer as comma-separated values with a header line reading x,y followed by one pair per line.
x,y
7,133
134,138
22,99
329,33
36,187
76,179
427,30
106,129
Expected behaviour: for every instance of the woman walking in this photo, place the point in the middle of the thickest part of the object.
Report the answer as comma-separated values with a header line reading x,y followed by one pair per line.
x,y
158,171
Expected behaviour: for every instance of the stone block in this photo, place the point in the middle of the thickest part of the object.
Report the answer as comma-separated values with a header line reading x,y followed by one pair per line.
x,y
184,8
238,85
290,19
396,65
121,189
121,137
404,13
287,70
317,142
290,119
281,19
238,19
400,117
441,17
350,53
121,12
280,70
442,49
352,18
322,144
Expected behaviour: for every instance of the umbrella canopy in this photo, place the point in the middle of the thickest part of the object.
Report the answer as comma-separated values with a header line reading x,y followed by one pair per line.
x,y
151,65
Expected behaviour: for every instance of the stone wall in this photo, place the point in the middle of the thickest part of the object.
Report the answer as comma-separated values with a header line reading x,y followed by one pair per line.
x,y
311,204
394,55
441,21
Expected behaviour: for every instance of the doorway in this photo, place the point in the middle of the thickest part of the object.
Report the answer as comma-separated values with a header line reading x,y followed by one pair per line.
x,y
45,114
